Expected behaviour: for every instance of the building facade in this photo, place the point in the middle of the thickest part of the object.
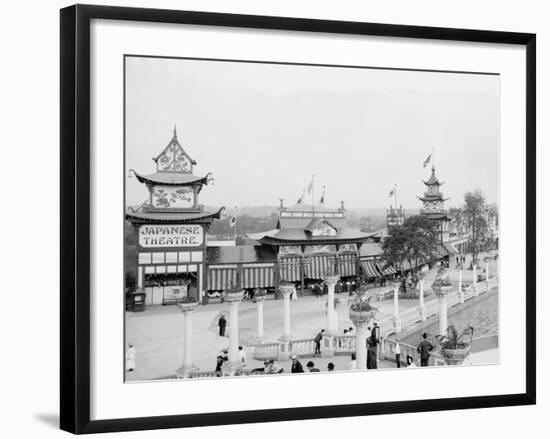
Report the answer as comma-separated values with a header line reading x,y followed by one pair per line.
x,y
171,228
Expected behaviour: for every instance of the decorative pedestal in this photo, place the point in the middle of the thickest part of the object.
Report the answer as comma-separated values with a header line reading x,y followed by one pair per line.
x,y
455,357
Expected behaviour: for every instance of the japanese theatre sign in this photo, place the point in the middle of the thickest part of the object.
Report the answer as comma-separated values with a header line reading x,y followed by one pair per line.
x,y
177,235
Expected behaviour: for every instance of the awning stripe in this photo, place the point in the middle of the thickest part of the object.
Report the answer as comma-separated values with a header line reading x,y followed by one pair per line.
x,y
221,278
385,270
258,277
290,269
348,266
369,269
317,267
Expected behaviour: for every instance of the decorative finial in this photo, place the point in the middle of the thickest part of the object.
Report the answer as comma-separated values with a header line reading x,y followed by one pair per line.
x,y
175,134
342,205
281,200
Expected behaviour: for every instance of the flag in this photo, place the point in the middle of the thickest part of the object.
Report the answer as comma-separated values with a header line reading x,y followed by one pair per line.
x,y
301,199
322,201
392,193
427,160
233,221
310,187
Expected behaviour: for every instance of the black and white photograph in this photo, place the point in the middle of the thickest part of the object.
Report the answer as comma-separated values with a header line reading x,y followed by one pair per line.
x,y
287,218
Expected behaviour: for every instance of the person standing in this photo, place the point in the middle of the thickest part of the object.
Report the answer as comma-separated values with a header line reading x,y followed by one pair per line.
x,y
372,362
219,363
424,349
317,340
296,365
397,352
131,358
242,355
222,323
353,362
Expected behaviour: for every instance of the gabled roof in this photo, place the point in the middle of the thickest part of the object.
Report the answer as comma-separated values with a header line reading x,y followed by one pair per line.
x,y
173,157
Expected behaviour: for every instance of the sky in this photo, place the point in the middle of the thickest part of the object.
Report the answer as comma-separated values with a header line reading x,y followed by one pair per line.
x,y
264,130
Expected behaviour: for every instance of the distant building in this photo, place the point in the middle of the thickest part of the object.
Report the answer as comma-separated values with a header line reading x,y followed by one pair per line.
x,y
433,207
395,216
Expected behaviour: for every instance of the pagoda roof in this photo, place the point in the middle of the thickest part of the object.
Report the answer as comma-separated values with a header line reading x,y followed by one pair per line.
x,y
438,197
433,180
437,216
172,217
172,178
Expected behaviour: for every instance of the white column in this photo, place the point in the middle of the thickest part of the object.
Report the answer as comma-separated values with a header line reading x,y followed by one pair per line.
x,y
283,352
396,319
487,271
474,278
260,309
234,331
187,339
361,345
460,291
332,317
187,367
421,301
234,364
442,296
286,315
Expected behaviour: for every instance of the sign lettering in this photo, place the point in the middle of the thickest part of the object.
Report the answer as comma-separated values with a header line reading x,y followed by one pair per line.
x,y
170,236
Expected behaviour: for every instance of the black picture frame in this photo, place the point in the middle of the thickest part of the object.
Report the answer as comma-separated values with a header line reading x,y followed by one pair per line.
x,y
75,217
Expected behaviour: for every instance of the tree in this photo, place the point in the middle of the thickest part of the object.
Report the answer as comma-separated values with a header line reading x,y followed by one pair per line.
x,y
475,211
415,242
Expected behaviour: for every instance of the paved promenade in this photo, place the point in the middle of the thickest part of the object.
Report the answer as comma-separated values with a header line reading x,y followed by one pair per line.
x,y
157,333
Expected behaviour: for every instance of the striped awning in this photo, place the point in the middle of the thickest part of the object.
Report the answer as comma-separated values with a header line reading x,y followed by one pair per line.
x,y
386,270
290,269
317,266
347,265
221,277
369,269
258,276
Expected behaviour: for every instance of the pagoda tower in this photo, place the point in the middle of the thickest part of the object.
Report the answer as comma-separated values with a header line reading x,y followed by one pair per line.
x,y
171,227
434,205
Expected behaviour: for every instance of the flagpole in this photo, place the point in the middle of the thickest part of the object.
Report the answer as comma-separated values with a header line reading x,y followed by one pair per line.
x,y
235,230
313,191
395,195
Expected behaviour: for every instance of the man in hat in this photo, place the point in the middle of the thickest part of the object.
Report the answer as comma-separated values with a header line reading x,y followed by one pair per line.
x,y
296,365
